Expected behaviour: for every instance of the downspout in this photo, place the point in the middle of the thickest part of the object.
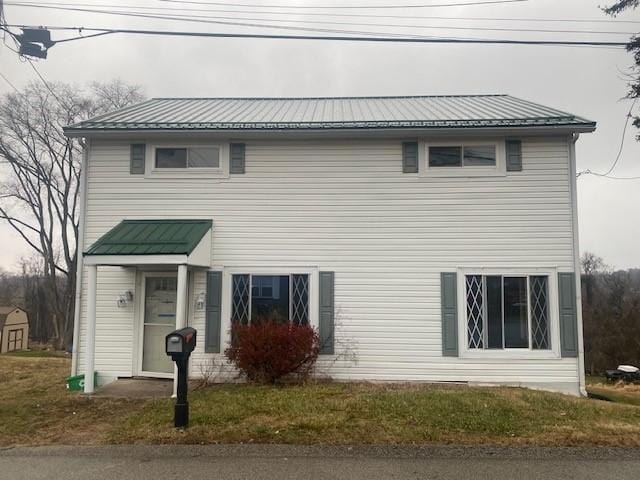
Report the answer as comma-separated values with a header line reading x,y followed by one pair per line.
x,y
79,257
576,261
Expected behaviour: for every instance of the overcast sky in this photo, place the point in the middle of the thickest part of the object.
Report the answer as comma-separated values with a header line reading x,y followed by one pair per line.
x,y
585,81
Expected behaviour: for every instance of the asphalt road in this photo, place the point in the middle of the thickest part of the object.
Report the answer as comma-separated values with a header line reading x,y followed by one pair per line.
x,y
290,462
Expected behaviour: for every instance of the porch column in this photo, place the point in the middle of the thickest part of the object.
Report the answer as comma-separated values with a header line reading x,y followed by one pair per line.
x,y
90,347
181,313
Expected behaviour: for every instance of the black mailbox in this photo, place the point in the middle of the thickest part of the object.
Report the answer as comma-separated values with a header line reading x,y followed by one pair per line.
x,y
179,345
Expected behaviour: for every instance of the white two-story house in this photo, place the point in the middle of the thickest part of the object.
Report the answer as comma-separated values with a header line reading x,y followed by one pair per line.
x,y
433,238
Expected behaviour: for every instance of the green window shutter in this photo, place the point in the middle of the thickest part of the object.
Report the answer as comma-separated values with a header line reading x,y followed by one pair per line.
x,y
568,315
410,157
213,312
236,158
327,312
449,312
137,159
514,155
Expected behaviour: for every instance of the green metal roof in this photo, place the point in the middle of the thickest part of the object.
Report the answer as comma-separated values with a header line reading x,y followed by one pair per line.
x,y
151,237
437,112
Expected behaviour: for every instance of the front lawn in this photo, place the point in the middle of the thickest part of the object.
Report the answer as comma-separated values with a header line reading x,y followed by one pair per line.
x,y
36,409
614,392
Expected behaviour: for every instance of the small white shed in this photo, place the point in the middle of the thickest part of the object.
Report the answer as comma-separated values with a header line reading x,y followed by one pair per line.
x,y
14,329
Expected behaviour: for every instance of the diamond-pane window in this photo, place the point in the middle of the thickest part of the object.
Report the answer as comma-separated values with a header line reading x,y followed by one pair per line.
x,y
280,298
539,313
300,299
500,316
475,311
240,299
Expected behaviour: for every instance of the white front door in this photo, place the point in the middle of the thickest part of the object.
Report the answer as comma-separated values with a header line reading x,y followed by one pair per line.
x,y
159,319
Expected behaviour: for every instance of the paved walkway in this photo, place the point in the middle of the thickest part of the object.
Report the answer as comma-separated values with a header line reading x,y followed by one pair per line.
x,y
291,462
136,388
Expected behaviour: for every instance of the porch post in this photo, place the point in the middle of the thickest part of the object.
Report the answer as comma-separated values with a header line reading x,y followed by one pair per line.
x,y
181,313
90,347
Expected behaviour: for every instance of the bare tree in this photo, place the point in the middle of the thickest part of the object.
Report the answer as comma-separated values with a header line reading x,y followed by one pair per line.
x,y
633,46
39,190
592,264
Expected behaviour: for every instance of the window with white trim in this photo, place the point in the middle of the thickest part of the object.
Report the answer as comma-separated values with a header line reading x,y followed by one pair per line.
x,y
462,155
507,312
281,298
187,157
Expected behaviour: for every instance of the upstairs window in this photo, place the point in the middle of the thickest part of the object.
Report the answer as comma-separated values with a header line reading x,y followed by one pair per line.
x,y
188,157
462,156
507,312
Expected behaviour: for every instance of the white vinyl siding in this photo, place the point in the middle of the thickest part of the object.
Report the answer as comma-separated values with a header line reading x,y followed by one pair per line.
x,y
346,207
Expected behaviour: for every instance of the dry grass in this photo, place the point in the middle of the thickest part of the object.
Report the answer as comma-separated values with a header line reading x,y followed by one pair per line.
x,y
618,392
370,414
36,409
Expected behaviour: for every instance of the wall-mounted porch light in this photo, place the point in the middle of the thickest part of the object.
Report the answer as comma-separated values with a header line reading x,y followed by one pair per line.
x,y
124,299
200,299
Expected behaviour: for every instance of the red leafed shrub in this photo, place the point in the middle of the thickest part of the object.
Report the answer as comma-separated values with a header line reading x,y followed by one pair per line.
x,y
267,351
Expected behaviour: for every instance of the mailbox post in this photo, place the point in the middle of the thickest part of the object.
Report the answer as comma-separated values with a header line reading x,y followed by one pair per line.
x,y
179,345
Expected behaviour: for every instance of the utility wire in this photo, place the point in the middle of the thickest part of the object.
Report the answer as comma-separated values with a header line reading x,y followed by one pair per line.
x,y
235,24
9,83
610,177
307,14
624,134
619,156
45,83
336,7
337,38
324,30
297,21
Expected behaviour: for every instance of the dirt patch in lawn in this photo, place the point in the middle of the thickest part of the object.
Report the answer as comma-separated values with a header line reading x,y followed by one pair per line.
x,y
36,409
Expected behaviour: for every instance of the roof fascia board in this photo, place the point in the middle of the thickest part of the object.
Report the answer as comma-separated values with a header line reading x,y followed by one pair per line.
x,y
130,260
334,133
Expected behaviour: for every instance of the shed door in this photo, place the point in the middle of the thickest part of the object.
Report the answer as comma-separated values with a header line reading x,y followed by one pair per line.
x,y
15,340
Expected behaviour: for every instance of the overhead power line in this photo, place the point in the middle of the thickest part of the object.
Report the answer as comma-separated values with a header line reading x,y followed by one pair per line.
x,y
624,134
9,82
607,174
330,14
380,35
436,40
343,7
232,23
610,177
45,83
203,18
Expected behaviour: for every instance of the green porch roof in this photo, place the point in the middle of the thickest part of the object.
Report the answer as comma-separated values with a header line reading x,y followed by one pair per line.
x,y
151,237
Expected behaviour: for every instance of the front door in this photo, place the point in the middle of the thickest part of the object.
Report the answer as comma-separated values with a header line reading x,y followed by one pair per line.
x,y
159,319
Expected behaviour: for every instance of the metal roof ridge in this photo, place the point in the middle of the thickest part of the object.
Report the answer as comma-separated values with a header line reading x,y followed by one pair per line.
x,y
346,97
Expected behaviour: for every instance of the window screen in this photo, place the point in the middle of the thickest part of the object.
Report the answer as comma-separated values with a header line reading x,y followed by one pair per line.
x,y
204,157
445,156
479,156
463,156
171,157
193,157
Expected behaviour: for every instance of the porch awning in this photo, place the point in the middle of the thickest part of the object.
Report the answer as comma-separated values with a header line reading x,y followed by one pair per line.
x,y
160,242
